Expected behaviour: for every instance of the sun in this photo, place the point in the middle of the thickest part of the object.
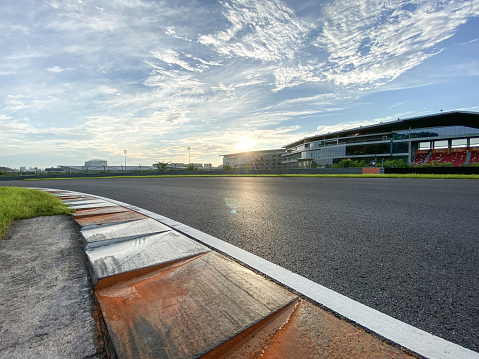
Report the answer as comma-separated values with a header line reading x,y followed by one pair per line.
x,y
245,144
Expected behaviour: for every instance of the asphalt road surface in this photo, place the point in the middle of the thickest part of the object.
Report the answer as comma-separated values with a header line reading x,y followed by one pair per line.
x,y
406,247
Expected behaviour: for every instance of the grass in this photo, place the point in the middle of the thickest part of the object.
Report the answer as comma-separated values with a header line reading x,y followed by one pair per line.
x,y
21,203
409,175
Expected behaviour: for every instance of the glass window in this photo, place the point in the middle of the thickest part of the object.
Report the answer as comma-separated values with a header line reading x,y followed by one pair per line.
x,y
400,147
440,144
370,149
474,142
443,131
401,135
424,132
424,145
462,142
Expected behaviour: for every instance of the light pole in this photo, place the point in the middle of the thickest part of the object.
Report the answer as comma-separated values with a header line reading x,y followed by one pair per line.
x,y
189,162
125,152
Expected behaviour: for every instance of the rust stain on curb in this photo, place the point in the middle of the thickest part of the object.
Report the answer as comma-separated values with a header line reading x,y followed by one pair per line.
x,y
99,219
304,330
82,213
312,332
139,273
252,342
183,312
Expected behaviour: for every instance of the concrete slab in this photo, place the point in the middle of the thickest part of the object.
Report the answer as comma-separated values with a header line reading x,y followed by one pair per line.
x,y
72,198
78,201
304,330
117,233
313,332
100,204
189,309
46,303
102,219
140,253
91,205
98,211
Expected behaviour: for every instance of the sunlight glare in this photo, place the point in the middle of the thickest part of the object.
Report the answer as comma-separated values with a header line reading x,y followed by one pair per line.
x,y
245,143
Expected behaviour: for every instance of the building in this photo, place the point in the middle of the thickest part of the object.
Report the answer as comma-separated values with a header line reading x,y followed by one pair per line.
x,y
54,170
96,163
172,166
266,159
443,137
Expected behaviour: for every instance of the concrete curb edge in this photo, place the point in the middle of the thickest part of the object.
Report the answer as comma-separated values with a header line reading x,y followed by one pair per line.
x,y
385,326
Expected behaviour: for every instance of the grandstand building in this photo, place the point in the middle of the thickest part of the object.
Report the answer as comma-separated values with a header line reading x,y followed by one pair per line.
x,y
96,163
444,137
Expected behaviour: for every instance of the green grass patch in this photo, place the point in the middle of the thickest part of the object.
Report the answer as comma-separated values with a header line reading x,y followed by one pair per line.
x,y
21,203
409,175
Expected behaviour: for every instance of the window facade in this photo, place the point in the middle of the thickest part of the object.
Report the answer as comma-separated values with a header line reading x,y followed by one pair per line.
x,y
267,159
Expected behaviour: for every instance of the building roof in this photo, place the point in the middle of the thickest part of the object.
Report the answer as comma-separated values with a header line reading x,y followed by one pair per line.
x,y
453,118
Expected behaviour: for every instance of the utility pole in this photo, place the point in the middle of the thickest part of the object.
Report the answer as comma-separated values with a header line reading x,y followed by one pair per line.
x,y
189,162
125,152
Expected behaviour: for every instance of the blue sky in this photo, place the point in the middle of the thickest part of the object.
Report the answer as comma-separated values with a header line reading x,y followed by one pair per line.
x,y
82,80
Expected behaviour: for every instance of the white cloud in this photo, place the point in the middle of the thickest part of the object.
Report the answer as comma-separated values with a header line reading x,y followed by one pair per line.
x,y
14,103
371,42
292,76
105,90
344,126
53,3
171,57
322,129
56,69
81,22
470,42
260,30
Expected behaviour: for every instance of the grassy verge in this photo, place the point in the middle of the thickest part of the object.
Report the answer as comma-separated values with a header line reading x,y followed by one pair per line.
x,y
22,203
409,175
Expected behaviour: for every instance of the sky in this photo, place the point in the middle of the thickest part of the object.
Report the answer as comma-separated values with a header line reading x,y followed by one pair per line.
x,y
88,79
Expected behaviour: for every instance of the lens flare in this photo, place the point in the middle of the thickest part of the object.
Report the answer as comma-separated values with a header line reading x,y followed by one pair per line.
x,y
245,143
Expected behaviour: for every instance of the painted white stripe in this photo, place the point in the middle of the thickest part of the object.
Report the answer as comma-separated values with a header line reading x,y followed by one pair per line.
x,y
403,334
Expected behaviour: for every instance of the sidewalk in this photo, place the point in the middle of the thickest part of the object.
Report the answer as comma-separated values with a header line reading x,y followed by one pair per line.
x,y
45,298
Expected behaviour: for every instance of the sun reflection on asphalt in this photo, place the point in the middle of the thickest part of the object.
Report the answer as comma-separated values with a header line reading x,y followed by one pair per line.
x,y
233,204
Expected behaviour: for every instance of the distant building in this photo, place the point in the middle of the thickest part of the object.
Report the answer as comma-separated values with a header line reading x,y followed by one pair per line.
x,y
182,166
176,165
54,169
23,169
266,159
95,163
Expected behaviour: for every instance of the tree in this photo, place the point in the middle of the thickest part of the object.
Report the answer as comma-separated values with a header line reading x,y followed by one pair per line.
x,y
191,167
349,163
398,163
161,165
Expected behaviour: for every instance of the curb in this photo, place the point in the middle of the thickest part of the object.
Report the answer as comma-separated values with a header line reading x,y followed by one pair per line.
x,y
168,290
